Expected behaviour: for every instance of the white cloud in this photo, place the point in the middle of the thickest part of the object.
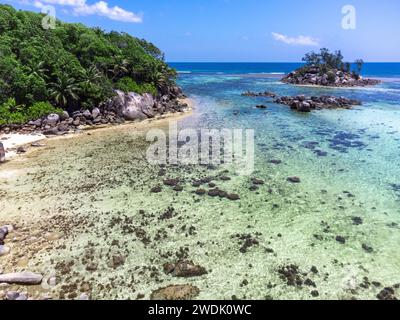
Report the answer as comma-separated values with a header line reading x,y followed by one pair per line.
x,y
99,8
299,40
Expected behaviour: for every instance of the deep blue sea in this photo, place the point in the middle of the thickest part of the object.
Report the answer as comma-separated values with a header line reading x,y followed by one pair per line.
x,y
370,69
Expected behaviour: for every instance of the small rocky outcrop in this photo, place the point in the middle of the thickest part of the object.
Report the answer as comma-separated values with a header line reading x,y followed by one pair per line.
x,y
259,94
122,107
329,78
303,103
176,292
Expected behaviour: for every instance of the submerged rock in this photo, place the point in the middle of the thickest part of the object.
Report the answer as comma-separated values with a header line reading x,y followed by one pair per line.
x,y
200,192
291,275
184,269
259,94
176,292
387,294
171,182
341,239
156,189
233,197
367,248
357,221
294,179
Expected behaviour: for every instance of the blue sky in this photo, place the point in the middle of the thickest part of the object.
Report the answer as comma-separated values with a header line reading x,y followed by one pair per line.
x,y
242,30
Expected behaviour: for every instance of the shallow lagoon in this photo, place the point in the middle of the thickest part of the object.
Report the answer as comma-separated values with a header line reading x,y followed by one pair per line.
x,y
84,209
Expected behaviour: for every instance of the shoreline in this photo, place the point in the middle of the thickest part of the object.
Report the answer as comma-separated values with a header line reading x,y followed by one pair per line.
x,y
330,87
27,143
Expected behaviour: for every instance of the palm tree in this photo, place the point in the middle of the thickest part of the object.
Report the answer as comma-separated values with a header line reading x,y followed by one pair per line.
x,y
163,76
91,75
119,69
38,70
359,63
64,90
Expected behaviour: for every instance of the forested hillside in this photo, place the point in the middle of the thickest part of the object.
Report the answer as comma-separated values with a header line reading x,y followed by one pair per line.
x,y
70,67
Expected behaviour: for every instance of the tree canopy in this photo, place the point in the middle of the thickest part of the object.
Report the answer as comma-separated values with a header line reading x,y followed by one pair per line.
x,y
73,66
331,60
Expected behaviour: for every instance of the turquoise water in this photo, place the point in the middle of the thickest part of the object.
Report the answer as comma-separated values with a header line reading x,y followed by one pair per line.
x,y
370,69
84,210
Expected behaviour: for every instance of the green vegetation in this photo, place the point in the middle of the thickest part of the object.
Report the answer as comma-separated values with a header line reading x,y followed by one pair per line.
x,y
70,67
127,84
11,113
327,62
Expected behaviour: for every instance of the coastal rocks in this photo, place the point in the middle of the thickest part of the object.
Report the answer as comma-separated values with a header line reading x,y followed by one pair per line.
x,y
259,94
120,108
303,103
2,153
16,296
176,292
4,231
52,119
22,278
332,78
184,269
132,106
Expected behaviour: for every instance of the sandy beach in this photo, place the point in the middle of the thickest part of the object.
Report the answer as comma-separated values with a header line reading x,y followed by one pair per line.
x,y
29,142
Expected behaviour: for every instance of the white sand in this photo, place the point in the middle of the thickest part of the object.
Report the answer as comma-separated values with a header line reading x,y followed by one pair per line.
x,y
12,141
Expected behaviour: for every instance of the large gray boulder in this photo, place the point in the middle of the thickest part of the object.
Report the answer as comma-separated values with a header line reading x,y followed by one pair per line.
x,y
132,106
2,153
52,119
95,113
23,278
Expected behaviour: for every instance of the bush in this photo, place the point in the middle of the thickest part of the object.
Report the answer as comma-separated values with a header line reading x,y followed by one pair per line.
x,y
39,110
127,84
331,76
148,88
11,113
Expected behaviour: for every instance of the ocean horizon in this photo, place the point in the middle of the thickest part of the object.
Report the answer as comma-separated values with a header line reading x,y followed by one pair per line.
x,y
370,69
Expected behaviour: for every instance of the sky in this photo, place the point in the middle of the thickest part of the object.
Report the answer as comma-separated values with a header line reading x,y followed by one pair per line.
x,y
244,30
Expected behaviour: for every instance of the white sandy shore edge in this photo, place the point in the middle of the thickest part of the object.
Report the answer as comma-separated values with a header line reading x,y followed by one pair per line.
x,y
13,141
